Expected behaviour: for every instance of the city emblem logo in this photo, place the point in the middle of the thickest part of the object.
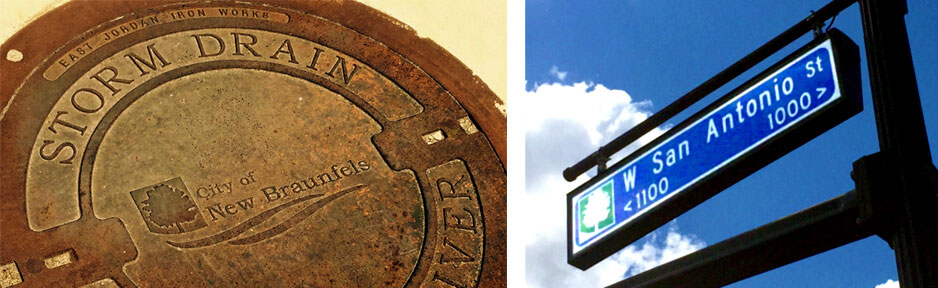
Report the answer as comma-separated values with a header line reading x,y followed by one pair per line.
x,y
167,208
596,210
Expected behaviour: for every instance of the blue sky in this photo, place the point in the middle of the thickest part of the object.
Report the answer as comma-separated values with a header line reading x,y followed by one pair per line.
x,y
649,53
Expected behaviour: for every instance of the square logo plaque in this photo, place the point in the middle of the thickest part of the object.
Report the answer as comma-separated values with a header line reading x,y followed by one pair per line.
x,y
167,207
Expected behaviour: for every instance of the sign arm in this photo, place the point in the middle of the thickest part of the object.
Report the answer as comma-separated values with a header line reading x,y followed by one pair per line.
x,y
811,231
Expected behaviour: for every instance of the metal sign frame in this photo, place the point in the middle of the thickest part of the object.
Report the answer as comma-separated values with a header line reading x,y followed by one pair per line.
x,y
846,57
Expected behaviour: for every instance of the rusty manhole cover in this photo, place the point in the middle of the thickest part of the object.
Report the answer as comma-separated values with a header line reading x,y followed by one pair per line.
x,y
238,144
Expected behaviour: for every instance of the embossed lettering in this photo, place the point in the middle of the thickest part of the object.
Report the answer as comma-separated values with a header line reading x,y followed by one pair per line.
x,y
56,120
83,108
107,82
271,193
230,209
187,14
459,220
209,191
345,76
243,13
322,178
289,50
448,189
151,51
346,171
238,44
460,242
58,149
198,41
312,64
217,211
334,173
297,188
307,181
461,258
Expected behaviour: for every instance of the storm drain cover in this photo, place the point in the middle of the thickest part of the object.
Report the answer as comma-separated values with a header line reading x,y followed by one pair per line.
x,y
237,144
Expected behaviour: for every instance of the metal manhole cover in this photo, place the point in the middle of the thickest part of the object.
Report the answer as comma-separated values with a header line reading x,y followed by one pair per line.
x,y
239,144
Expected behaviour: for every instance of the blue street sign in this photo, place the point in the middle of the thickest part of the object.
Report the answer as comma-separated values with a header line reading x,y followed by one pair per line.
x,y
746,121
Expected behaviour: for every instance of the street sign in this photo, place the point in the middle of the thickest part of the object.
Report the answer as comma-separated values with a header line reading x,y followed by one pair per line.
x,y
798,98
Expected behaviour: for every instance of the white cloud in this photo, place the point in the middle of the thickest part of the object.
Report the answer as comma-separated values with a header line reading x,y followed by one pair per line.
x,y
554,71
564,123
889,284
655,252
593,108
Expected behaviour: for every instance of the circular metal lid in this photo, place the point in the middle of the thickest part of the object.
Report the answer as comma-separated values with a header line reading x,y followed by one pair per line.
x,y
225,144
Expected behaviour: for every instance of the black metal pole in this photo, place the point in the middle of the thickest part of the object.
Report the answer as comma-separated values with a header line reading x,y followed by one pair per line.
x,y
811,231
901,130
717,81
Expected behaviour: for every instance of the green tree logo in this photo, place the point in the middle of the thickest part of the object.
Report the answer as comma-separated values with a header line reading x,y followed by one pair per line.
x,y
596,210
169,207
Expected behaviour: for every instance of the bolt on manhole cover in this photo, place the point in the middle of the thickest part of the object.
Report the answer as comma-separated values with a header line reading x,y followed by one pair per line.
x,y
242,144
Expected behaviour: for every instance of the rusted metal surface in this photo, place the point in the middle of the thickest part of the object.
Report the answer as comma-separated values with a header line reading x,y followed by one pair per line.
x,y
286,143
